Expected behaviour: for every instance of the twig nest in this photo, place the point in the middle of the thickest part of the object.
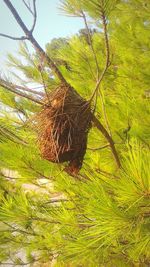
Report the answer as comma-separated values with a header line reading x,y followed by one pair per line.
x,y
63,126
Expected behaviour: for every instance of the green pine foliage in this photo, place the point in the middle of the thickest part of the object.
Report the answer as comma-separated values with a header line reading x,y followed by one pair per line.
x,y
102,217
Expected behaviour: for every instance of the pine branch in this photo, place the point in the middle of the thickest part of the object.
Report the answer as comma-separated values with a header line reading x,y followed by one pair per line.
x,y
104,111
98,148
15,86
107,62
12,136
40,69
10,87
101,97
45,220
56,201
90,42
18,264
29,166
29,90
99,126
14,229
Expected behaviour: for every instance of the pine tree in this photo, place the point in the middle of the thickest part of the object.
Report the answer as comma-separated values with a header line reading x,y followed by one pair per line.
x,y
101,217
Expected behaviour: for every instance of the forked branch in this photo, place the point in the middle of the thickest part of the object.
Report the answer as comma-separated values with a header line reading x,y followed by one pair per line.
x,y
38,48
28,7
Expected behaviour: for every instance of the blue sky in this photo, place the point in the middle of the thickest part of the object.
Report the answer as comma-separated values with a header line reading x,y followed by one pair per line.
x,y
50,24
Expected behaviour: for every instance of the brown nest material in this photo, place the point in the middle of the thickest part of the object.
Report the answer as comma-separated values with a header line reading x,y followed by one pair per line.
x,y
63,126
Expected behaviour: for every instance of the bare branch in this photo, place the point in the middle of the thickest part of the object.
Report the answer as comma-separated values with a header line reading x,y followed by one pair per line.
x,y
34,16
33,12
37,47
29,90
14,38
17,17
11,88
15,86
28,7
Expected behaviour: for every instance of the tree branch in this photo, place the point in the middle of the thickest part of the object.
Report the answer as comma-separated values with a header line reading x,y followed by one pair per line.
x,y
15,86
28,7
18,264
34,16
107,63
14,229
11,88
37,47
12,136
102,129
56,201
30,90
13,38
98,148
90,42
40,69
33,12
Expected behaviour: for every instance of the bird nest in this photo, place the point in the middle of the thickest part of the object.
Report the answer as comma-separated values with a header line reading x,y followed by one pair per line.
x,y
63,126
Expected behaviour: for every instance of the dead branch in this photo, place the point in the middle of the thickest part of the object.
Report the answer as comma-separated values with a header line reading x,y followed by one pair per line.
x,y
28,7
34,16
19,93
29,90
37,47
15,86
13,38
